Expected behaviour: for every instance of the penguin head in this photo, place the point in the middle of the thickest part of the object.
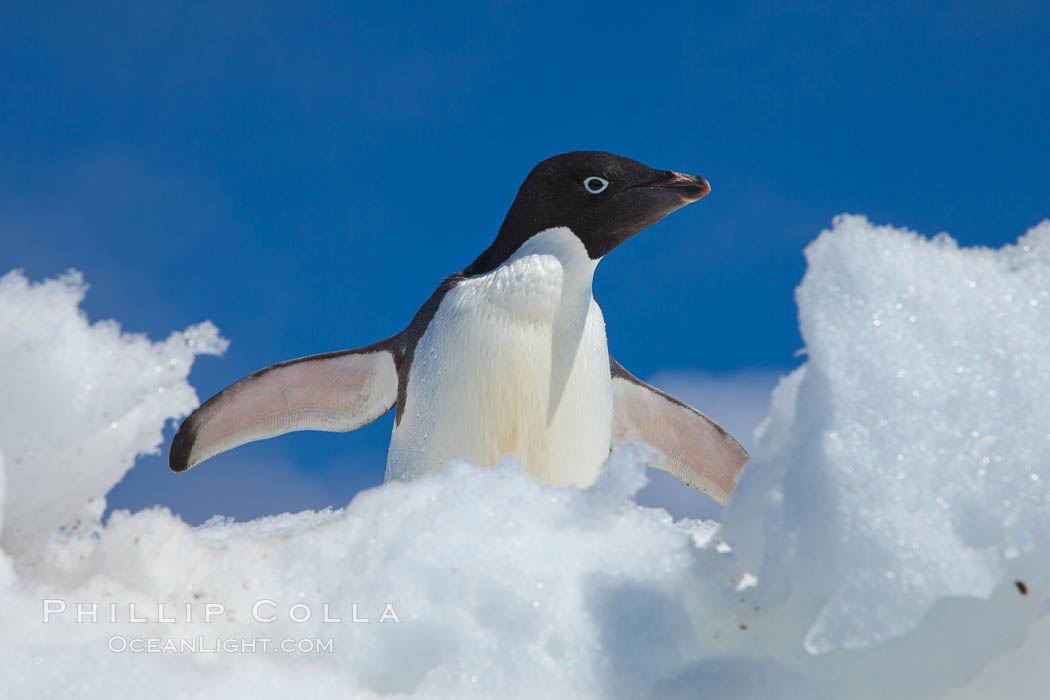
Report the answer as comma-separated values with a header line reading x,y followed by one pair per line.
x,y
603,198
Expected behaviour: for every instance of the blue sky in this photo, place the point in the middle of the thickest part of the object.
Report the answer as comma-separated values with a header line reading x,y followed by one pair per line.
x,y
305,175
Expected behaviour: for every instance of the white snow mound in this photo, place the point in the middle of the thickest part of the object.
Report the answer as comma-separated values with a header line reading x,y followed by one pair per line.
x,y
79,402
890,538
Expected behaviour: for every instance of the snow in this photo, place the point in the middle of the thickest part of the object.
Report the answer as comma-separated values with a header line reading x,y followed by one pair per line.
x,y
878,544
79,402
931,368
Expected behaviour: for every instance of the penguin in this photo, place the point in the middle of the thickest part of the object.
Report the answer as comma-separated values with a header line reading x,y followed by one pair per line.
x,y
508,356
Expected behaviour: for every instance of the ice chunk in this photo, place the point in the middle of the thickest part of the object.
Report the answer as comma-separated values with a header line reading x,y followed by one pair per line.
x,y
911,446
80,401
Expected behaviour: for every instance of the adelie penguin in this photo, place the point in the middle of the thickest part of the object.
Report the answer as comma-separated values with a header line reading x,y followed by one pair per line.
x,y
508,356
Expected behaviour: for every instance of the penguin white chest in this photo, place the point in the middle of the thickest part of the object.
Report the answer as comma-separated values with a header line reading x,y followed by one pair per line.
x,y
515,361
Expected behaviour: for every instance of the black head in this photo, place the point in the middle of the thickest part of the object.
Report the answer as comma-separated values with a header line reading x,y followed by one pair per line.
x,y
602,197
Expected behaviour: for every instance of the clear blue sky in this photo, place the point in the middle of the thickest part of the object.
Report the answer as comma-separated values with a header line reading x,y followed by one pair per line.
x,y
305,175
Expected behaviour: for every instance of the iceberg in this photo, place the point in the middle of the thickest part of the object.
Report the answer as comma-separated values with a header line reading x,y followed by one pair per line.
x,y
890,537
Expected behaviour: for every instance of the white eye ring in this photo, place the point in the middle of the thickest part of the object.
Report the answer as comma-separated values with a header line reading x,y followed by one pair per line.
x,y
595,185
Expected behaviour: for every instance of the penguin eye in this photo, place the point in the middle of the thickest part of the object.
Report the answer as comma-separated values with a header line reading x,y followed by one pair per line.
x,y
595,185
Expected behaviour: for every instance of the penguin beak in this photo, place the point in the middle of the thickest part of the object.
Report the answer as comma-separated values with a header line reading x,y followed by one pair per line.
x,y
689,187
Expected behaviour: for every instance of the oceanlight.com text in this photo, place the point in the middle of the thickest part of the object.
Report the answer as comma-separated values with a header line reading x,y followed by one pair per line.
x,y
201,644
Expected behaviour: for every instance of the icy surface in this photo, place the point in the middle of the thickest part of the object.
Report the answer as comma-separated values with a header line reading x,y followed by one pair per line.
x,y
79,402
915,443
889,538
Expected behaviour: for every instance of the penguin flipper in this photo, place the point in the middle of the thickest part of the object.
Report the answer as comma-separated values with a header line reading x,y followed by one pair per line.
x,y
696,449
336,391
